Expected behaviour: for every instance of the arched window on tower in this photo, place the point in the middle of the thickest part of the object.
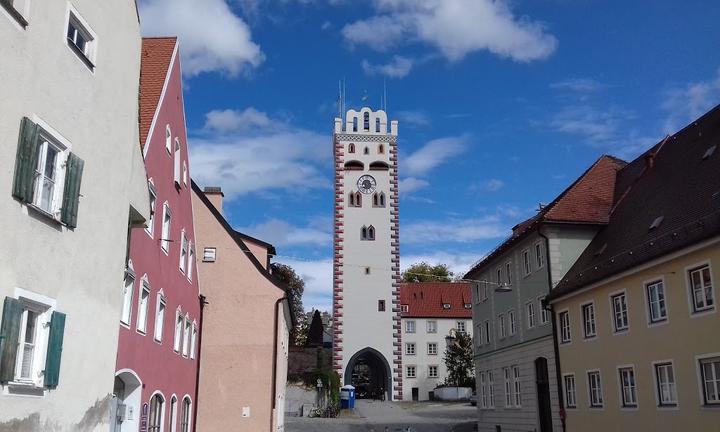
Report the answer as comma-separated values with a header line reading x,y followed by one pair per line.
x,y
382,199
371,233
381,149
366,151
358,199
366,121
376,199
363,233
351,148
355,124
377,125
351,199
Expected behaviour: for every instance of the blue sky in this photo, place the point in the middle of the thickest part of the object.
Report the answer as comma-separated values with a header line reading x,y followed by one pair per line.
x,y
501,106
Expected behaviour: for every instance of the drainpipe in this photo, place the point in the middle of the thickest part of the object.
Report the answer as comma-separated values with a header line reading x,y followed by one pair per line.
x,y
556,348
274,361
203,302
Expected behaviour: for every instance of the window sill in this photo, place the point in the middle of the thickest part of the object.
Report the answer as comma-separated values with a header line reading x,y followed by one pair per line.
x,y
51,217
16,388
702,312
81,55
17,16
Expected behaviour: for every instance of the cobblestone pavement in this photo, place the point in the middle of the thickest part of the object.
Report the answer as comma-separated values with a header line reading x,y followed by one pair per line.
x,y
373,416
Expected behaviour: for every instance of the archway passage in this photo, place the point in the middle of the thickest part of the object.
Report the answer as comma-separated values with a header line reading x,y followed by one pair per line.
x,y
369,373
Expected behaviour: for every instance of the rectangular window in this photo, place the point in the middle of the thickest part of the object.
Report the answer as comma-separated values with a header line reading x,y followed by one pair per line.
x,y
544,313
27,357
128,288
570,395
526,262
627,387
508,273
186,337
409,326
485,292
508,387
81,39
209,254
478,334
665,384
143,304
656,301
539,256
193,340
710,375
183,251
483,391
48,182
191,262
501,325
511,320
595,389
381,305
178,330
404,308
153,199
701,289
588,312
159,317
460,326
531,315
432,326
564,318
487,331
620,312
410,348
18,10
499,276
516,386
176,164
432,348
410,371
165,240
491,390
432,371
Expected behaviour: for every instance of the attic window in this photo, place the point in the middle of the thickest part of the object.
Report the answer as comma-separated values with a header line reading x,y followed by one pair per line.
x,y
404,308
709,152
446,305
468,306
656,223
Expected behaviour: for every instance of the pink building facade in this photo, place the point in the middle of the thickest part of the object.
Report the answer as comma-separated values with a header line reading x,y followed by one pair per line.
x,y
157,361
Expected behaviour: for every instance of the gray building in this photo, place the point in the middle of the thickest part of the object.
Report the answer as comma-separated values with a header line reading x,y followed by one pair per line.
x,y
515,362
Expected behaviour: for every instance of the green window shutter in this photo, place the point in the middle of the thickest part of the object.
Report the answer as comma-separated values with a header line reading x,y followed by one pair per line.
x,y
10,332
54,350
25,161
71,193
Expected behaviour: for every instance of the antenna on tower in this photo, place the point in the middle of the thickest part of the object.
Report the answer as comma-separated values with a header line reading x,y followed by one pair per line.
x,y
343,98
384,96
339,99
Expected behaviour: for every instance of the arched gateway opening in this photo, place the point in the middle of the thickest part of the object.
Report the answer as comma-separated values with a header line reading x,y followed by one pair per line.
x,y
369,373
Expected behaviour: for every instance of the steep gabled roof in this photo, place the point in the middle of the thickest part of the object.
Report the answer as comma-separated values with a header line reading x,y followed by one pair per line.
x,y
667,199
156,55
426,299
587,201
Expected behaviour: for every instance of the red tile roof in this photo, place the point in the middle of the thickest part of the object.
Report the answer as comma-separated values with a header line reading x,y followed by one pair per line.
x,y
588,200
154,63
426,299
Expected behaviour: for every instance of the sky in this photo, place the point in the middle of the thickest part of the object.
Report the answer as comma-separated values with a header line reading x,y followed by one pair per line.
x,y
501,105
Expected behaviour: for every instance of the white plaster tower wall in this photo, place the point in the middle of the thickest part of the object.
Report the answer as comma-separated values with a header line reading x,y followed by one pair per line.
x,y
366,271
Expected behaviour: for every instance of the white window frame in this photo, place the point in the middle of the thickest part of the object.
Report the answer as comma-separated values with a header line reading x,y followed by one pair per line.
x,y
671,386
483,402
177,156
166,227
183,251
186,336
508,272
409,368
531,315
178,330
432,348
173,413
143,309
22,8
628,395
544,313
45,140
654,321
150,229
209,254
160,310
488,339
410,348
570,390
589,328
431,326
461,326
491,390
193,340
592,402
430,371
499,275
512,322
191,260
501,326
703,380
404,308
128,296
517,386
479,334
526,262
485,292
539,255
694,311
507,377
43,307
185,173
168,139
91,39
616,328
410,326
564,324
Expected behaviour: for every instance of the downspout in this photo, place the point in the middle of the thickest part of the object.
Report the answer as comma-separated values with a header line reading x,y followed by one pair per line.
x,y
274,361
556,348
203,302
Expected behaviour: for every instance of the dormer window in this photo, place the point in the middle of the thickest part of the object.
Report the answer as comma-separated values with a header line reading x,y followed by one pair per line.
x,y
446,305
468,306
404,308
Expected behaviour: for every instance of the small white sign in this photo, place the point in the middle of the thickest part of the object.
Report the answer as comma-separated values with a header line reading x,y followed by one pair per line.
x,y
246,411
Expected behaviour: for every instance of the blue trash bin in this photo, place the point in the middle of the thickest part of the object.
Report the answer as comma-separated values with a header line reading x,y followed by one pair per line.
x,y
347,397
351,399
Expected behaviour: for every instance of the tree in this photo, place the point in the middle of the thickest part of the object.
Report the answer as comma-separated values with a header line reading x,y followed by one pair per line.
x,y
459,361
315,333
424,272
294,291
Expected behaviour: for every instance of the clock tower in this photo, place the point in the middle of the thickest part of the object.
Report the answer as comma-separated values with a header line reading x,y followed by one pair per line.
x,y
366,266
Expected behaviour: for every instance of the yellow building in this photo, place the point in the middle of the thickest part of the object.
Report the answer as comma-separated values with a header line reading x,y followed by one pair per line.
x,y
637,322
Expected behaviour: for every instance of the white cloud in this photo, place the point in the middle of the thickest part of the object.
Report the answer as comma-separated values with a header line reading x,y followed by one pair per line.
x,y
235,120
280,233
399,67
413,118
685,104
593,124
455,27
212,37
242,161
491,185
453,230
434,153
317,275
411,184
580,85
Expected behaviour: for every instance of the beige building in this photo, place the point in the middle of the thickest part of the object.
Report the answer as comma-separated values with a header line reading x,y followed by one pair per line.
x,y
245,326
72,180
636,316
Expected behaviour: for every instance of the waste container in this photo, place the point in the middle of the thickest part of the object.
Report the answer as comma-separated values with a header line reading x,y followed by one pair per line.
x,y
347,397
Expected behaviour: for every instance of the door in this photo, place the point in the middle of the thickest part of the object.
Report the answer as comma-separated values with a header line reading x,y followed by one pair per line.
x,y
415,393
117,408
543,394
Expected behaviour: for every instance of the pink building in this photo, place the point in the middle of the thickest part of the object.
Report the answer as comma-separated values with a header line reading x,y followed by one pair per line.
x,y
157,362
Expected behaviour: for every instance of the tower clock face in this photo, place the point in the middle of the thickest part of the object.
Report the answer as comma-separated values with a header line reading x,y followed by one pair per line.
x,y
366,184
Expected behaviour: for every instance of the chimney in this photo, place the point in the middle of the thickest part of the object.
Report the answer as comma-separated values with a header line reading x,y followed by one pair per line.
x,y
215,195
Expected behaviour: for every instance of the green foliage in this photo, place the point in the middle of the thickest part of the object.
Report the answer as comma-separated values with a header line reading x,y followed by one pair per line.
x,y
294,292
424,272
459,361
329,378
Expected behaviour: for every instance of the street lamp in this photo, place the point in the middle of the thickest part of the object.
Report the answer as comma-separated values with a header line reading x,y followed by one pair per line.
x,y
499,287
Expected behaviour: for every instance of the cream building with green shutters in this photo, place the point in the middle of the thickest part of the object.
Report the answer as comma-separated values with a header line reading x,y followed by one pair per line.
x,y
72,181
